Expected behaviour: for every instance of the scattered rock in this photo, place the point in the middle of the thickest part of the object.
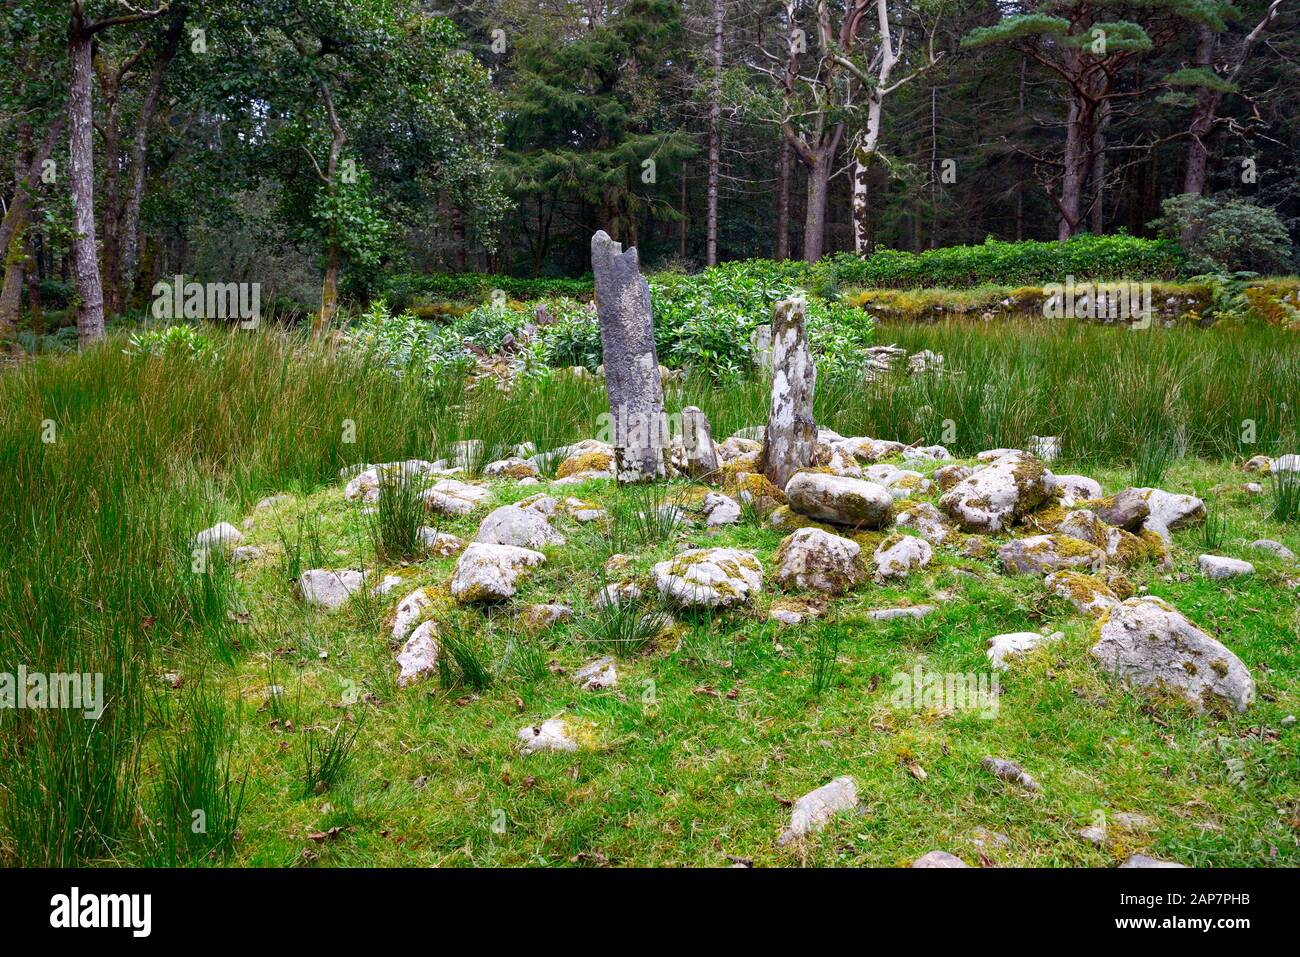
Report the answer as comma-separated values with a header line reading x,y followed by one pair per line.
x,y
1260,464
522,527
1147,643
551,735
939,859
1087,593
487,572
410,610
538,617
1219,567
926,453
1170,512
1046,447
612,596
1126,509
419,656
992,498
897,555
949,475
221,536
513,467
329,589
1141,860
1076,488
840,500
246,553
720,509
926,520
442,544
814,809
388,583
891,614
712,577
1049,553
793,611
869,450
453,497
597,675
817,560
1009,771
1277,548
1002,647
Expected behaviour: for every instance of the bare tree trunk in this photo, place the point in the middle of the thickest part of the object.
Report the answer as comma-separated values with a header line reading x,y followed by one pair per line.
x,y
130,254
934,167
1099,170
815,221
35,313
715,136
25,194
85,261
1075,159
681,223
329,298
11,293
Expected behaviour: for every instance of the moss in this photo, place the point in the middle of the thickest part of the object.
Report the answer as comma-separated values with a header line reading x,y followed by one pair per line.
x,y
585,462
784,518
1083,589
1047,519
764,493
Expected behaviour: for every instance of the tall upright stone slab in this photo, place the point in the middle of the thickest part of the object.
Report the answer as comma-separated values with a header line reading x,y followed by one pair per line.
x,y
697,439
627,342
791,433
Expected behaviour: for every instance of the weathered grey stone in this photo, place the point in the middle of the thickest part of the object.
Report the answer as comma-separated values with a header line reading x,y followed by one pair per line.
x,y
1087,593
992,498
222,536
537,617
453,497
486,572
760,346
815,559
709,577
419,656
949,475
329,589
410,610
720,509
1170,511
899,554
926,520
1009,771
246,553
891,614
513,467
632,381
1219,567
869,450
1141,860
512,525
701,458
791,435
1126,509
597,675
814,809
442,544
843,501
1266,545
1076,488
1049,553
1147,643
551,735
1002,647
939,859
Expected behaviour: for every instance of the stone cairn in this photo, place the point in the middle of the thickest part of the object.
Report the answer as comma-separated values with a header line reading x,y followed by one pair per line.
x,y
790,438
632,380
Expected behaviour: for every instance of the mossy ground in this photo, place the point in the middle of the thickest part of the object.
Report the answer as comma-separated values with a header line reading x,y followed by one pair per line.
x,y
697,753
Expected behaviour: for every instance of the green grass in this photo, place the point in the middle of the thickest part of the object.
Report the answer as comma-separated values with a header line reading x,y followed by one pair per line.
x,y
712,727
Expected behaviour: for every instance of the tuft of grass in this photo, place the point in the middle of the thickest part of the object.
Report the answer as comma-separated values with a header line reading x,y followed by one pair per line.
x,y
646,516
1285,491
326,753
462,663
1214,532
398,515
1151,460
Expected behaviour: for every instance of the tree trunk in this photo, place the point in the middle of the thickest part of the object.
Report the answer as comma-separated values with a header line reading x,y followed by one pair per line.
x,y
1099,170
815,221
35,313
715,135
25,194
130,255
11,293
85,261
681,223
1075,160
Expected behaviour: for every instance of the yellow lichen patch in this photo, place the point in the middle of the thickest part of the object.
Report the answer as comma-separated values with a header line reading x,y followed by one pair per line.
x,y
784,518
764,493
585,462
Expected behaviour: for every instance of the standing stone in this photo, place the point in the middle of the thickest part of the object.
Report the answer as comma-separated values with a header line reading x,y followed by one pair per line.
x,y
760,347
701,459
791,435
627,343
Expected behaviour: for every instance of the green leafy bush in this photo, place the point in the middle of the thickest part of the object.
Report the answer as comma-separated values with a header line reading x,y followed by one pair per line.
x,y
408,289
1227,235
173,340
1010,264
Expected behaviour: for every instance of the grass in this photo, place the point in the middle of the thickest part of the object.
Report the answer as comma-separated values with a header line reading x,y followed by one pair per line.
x,y
711,727
399,515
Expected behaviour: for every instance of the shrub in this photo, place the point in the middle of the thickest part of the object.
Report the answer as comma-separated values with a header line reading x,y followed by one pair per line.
x,y
1227,235
1010,264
